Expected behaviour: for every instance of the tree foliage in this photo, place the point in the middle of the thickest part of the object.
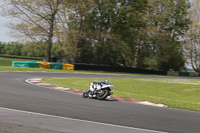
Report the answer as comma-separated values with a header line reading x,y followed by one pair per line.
x,y
167,22
132,33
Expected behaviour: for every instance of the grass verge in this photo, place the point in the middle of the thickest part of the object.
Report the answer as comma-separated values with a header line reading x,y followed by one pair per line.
x,y
175,93
9,68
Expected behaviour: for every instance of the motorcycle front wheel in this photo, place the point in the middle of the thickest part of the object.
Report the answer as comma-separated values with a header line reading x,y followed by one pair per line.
x,y
86,94
103,95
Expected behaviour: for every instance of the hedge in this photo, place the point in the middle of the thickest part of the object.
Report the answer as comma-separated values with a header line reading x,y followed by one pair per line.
x,y
21,57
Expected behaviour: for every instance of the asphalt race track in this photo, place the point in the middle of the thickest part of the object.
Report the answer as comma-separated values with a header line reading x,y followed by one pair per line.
x,y
32,108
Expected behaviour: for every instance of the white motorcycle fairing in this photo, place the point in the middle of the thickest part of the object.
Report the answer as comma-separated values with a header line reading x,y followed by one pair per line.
x,y
111,87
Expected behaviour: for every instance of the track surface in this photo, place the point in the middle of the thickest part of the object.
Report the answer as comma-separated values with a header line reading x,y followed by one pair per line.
x,y
15,93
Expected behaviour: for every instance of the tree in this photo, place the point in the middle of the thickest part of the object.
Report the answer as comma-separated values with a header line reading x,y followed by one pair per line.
x,y
32,49
38,20
129,24
1,48
192,38
167,22
105,45
111,29
77,44
133,30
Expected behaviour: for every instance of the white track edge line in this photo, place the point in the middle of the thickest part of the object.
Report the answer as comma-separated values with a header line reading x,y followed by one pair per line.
x,y
74,119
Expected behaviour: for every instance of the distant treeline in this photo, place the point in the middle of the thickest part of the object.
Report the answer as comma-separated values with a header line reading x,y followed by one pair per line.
x,y
31,50
19,49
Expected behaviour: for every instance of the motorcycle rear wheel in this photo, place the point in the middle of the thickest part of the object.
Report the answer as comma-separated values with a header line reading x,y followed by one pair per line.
x,y
103,95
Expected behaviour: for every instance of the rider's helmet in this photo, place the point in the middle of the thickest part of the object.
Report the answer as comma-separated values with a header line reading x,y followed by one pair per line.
x,y
106,81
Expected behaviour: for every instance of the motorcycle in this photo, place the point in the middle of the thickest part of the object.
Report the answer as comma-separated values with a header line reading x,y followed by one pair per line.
x,y
99,89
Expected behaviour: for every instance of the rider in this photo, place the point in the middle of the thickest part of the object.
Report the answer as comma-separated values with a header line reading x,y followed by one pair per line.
x,y
101,83
106,82
97,85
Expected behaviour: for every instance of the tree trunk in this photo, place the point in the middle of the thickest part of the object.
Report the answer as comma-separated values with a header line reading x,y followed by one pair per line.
x,y
50,38
135,56
49,45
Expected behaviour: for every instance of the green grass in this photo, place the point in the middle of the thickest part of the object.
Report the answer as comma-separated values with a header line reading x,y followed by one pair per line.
x,y
175,93
9,68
